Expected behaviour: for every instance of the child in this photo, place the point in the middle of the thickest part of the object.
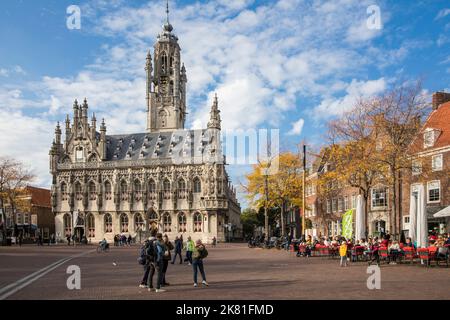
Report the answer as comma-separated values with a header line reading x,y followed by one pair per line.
x,y
343,253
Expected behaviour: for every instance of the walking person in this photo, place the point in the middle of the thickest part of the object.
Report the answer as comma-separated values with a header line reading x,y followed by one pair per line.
x,y
167,257
68,239
156,265
343,253
199,254
178,249
214,242
190,245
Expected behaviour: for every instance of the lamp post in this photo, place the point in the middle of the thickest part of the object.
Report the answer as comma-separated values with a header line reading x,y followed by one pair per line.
x,y
266,216
303,191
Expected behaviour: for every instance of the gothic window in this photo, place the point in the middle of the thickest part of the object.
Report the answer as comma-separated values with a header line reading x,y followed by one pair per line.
x,y
108,191
123,190
152,189
79,156
198,221
163,63
92,191
137,190
78,191
163,118
108,223
153,215
138,222
181,222
91,225
166,189
64,195
67,220
181,189
197,185
123,223
167,222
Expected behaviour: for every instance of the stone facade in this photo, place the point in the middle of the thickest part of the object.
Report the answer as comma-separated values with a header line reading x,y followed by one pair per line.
x,y
169,177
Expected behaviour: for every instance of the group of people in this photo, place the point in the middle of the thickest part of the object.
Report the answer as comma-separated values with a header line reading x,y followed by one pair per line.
x,y
122,240
156,253
370,247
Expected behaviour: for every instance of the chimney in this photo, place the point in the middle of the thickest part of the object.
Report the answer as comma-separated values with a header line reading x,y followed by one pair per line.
x,y
440,98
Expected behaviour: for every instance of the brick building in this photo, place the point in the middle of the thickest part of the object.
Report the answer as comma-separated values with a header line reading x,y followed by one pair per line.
x,y
430,159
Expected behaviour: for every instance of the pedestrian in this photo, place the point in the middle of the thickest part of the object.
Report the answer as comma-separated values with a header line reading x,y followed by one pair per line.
x,y
178,249
189,249
149,256
343,253
214,242
167,257
129,240
157,264
199,254
68,239
20,239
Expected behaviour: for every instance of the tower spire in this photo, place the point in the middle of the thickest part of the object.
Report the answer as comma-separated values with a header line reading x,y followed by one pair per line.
x,y
214,121
167,10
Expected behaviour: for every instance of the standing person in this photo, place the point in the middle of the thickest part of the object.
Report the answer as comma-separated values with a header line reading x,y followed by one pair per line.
x,y
214,241
190,245
68,239
129,240
149,247
157,264
178,249
20,239
343,253
200,253
167,257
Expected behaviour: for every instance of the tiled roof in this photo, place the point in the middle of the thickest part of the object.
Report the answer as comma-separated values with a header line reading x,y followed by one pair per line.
x,y
153,145
438,120
39,197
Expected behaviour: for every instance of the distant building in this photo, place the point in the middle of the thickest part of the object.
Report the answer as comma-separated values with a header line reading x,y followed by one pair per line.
x,y
34,215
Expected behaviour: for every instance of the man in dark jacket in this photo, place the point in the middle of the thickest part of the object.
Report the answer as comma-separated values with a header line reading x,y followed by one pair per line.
x,y
156,265
199,254
178,249
149,258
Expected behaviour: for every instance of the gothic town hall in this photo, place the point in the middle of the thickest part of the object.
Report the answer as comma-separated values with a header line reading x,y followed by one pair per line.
x,y
165,177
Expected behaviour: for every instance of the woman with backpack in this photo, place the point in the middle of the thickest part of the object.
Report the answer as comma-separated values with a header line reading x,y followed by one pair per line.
x,y
199,254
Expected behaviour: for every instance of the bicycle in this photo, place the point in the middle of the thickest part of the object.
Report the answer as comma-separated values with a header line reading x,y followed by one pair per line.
x,y
100,248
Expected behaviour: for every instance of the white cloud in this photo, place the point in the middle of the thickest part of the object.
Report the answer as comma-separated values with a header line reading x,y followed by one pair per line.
x,y
297,127
443,13
331,106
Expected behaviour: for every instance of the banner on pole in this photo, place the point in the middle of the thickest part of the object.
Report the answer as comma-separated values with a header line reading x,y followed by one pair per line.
x,y
347,224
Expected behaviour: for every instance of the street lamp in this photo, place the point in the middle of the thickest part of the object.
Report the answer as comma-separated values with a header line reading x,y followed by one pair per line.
x,y
266,192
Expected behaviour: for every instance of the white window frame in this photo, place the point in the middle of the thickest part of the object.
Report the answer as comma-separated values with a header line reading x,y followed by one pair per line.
x,y
437,156
428,138
372,197
428,191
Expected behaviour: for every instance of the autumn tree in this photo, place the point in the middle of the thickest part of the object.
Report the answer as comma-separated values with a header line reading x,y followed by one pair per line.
x,y
14,177
284,185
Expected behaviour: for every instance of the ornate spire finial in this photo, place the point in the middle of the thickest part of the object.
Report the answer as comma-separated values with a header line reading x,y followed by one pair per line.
x,y
167,10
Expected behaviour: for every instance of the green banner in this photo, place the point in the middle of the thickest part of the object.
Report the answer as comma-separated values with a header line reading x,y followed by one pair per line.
x,y
347,224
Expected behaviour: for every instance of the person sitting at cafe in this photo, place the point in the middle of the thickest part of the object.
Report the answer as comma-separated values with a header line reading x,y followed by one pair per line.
x,y
447,241
409,243
442,250
394,251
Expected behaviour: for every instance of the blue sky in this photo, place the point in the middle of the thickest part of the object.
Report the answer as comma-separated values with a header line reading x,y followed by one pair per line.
x,y
287,64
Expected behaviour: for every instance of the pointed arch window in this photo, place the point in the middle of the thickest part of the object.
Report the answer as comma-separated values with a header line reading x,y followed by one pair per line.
x,y
182,194
166,189
92,191
152,189
123,190
91,225
163,118
137,190
197,185
108,191
123,222
78,191
64,195
108,223
138,222
198,222
167,223
67,221
164,63
182,222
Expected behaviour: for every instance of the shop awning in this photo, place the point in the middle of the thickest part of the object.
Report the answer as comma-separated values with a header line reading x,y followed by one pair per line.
x,y
443,213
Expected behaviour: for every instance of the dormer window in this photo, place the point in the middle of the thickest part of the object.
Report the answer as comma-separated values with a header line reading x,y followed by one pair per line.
x,y
429,137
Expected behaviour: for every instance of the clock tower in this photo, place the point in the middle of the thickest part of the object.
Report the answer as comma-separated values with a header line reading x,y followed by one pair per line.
x,y
166,83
